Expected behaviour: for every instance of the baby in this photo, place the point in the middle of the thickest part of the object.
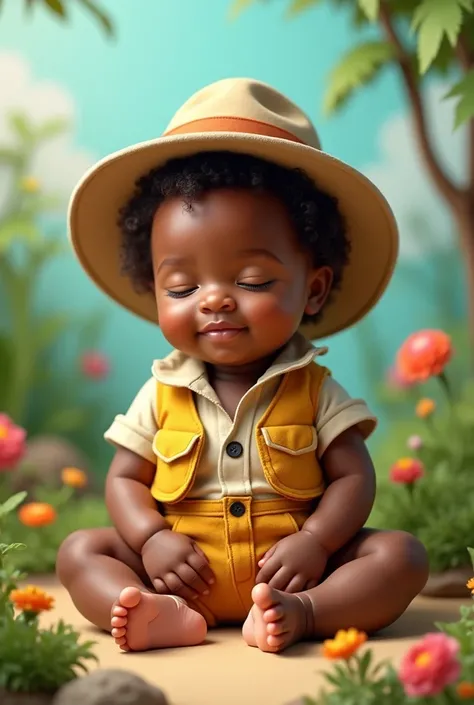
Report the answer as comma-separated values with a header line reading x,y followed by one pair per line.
x,y
241,481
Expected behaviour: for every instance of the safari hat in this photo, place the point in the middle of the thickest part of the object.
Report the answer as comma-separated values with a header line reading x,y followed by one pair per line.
x,y
247,116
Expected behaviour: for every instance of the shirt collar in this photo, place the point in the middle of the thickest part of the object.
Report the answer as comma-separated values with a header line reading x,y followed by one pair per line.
x,y
180,370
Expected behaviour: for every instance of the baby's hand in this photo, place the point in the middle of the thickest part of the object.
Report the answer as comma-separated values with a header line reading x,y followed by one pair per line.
x,y
295,563
176,565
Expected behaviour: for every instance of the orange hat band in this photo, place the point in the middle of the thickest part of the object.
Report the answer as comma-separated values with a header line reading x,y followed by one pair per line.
x,y
233,124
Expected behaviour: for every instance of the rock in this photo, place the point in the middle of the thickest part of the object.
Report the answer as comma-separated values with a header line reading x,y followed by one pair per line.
x,y
45,458
110,687
8,698
450,583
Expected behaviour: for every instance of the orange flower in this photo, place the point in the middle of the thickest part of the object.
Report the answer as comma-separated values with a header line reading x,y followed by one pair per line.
x,y
406,471
425,408
423,355
465,690
73,477
470,585
37,514
31,599
29,184
344,644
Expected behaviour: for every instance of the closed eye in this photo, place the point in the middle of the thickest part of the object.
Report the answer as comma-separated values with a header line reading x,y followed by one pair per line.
x,y
181,294
257,287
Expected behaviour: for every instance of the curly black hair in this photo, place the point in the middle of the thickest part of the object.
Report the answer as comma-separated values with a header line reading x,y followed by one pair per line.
x,y
318,223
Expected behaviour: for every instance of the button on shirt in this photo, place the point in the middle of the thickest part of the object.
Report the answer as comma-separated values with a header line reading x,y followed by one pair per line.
x,y
230,464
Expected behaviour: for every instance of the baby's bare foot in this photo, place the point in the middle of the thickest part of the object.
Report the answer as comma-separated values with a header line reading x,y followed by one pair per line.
x,y
276,620
142,621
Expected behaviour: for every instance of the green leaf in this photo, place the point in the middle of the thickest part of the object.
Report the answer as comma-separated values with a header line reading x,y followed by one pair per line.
x,y
56,6
471,555
17,228
51,128
464,90
298,6
239,6
21,126
49,329
358,67
370,8
12,503
9,156
103,19
12,547
433,20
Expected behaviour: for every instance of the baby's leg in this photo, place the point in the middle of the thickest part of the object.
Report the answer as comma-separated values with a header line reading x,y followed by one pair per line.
x,y
109,586
369,584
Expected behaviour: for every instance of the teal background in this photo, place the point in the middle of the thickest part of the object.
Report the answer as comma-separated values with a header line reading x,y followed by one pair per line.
x,y
126,90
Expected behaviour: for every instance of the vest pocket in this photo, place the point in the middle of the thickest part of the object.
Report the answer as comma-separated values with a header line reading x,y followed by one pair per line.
x,y
290,461
177,455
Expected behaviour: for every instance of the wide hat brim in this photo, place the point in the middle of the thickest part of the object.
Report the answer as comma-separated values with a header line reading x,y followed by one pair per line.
x,y
371,226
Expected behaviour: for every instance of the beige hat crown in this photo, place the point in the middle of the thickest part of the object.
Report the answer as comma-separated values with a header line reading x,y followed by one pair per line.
x,y
250,117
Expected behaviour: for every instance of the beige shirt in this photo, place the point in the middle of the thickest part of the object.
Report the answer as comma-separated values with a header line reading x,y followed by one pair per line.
x,y
218,475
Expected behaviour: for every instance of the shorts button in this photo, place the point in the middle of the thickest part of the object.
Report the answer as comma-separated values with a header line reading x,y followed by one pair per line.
x,y
234,449
237,509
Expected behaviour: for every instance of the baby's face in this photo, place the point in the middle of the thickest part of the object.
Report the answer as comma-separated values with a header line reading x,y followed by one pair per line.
x,y
231,281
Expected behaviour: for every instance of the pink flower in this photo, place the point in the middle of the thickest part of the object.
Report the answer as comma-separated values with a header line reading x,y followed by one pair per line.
x,y
396,380
94,365
430,665
406,471
12,443
415,442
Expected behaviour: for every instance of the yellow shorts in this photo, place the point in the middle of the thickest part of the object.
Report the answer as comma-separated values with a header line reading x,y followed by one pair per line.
x,y
234,533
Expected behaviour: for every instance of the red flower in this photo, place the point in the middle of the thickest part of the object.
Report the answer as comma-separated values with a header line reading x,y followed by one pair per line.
x,y
95,365
396,380
430,665
406,471
423,355
12,443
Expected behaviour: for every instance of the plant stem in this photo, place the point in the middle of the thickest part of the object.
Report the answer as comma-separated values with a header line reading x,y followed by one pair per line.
x,y
446,386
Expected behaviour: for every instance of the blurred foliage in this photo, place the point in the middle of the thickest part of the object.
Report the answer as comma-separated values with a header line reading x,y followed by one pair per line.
x,y
423,37
34,390
60,9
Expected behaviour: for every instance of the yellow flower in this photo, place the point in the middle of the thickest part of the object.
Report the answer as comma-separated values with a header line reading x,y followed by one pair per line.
x,y
470,585
73,477
344,644
425,408
29,184
465,690
31,599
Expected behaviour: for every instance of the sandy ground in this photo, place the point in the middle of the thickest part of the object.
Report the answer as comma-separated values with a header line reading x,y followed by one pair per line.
x,y
225,670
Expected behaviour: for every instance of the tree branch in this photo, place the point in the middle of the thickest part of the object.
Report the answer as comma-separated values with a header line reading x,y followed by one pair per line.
x,y
444,184
466,60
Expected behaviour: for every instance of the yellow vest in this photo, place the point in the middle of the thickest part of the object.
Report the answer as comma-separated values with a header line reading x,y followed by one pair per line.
x,y
285,435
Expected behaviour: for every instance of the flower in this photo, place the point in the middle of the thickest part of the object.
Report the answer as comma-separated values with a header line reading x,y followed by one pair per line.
x,y
37,514
430,665
344,644
73,477
406,471
29,184
425,408
465,690
423,355
94,365
12,443
396,380
31,599
470,585
415,442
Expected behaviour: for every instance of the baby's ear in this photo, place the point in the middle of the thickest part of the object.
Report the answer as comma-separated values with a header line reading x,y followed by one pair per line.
x,y
319,286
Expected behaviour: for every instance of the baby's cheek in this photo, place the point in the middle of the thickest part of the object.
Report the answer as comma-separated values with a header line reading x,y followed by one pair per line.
x,y
174,320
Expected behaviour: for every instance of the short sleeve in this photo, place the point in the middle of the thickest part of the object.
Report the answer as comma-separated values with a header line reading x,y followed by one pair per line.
x,y
136,428
337,412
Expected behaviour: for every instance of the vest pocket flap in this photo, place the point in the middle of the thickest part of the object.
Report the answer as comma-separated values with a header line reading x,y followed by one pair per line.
x,y
294,440
170,445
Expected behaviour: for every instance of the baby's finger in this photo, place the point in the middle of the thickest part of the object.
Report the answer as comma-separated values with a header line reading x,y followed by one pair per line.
x,y
177,587
201,566
311,584
296,584
281,579
268,571
160,587
192,579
